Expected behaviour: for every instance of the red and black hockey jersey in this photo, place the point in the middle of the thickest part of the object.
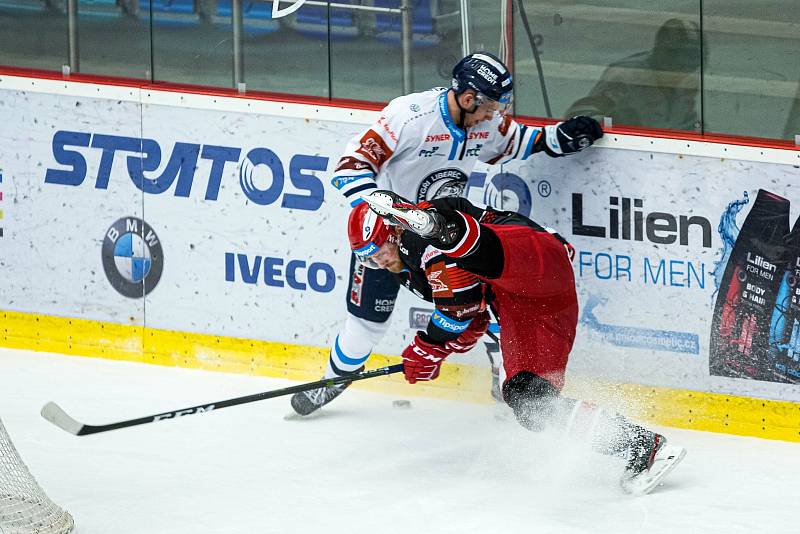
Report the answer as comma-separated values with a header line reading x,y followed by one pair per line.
x,y
458,294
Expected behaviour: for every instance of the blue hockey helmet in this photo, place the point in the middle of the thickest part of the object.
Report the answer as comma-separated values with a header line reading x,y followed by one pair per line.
x,y
486,74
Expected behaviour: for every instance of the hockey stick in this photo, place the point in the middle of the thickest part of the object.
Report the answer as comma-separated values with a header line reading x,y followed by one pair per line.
x,y
496,341
496,388
53,412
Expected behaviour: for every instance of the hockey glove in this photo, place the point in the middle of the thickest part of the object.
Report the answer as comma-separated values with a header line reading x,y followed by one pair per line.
x,y
422,360
571,135
470,337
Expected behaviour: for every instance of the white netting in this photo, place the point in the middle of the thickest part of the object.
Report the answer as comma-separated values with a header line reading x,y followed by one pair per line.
x,y
24,507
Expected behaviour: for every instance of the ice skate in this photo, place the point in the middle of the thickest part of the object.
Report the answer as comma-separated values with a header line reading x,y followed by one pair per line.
x,y
307,402
651,459
398,211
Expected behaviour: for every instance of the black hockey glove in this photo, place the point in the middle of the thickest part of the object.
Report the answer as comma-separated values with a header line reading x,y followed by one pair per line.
x,y
571,135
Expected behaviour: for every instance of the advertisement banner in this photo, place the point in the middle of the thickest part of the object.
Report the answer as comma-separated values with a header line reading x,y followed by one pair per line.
x,y
205,220
56,159
684,264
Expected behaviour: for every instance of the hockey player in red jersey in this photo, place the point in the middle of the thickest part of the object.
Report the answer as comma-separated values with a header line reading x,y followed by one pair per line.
x,y
524,273
424,146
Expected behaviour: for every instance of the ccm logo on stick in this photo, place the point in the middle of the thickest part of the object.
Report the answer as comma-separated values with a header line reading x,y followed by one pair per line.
x,y
179,413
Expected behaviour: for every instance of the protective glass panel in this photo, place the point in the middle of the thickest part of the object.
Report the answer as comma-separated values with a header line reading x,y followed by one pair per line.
x,y
114,38
715,66
192,40
571,59
374,65
33,34
288,52
751,83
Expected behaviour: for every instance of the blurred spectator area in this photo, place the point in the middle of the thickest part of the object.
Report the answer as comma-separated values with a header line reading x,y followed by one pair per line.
x,y
734,70
428,23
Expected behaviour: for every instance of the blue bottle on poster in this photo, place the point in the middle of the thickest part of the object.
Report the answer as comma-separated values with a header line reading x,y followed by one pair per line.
x,y
784,333
740,329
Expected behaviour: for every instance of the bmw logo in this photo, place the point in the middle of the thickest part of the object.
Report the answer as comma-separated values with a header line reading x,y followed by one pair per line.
x,y
132,257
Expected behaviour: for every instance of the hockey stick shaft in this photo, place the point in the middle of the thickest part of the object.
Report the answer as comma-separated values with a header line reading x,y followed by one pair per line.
x,y
56,415
496,340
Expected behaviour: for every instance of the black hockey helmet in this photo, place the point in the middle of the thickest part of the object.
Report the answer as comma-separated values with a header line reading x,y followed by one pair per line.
x,y
484,73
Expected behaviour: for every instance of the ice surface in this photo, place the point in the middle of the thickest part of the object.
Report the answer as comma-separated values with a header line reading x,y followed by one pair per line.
x,y
359,466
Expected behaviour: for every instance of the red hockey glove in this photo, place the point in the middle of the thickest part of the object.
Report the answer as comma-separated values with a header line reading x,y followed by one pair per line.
x,y
470,337
422,360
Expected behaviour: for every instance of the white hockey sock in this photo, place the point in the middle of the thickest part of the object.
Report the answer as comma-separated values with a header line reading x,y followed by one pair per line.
x,y
583,418
606,432
353,345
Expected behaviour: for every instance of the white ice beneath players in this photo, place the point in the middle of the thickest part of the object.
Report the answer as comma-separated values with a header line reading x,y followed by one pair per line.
x,y
665,460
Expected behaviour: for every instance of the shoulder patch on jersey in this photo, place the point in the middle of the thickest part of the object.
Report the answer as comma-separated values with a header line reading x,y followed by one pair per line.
x,y
374,148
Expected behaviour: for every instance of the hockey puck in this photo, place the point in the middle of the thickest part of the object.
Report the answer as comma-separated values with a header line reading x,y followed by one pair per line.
x,y
401,404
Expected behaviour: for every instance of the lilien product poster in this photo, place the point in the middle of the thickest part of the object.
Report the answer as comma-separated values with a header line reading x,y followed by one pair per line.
x,y
754,333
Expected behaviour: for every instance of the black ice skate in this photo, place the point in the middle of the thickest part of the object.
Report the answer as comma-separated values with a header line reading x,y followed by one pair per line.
x,y
310,401
650,460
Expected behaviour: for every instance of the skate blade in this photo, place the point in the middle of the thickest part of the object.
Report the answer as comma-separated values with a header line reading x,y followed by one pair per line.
x,y
665,462
379,202
383,205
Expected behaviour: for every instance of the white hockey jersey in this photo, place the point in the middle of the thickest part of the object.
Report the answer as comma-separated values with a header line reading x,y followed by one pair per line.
x,y
416,150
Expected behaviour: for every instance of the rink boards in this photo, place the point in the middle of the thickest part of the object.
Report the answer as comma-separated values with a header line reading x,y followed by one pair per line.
x,y
202,231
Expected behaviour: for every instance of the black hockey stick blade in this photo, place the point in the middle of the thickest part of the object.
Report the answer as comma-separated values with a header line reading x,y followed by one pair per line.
x,y
56,415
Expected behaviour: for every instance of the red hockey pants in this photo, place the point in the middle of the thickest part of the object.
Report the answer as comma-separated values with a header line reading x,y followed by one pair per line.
x,y
536,300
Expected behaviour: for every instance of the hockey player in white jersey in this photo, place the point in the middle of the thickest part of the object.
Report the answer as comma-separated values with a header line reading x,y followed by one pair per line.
x,y
424,146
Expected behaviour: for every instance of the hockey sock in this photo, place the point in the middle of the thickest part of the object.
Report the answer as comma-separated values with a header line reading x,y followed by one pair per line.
x,y
537,404
353,345
608,433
